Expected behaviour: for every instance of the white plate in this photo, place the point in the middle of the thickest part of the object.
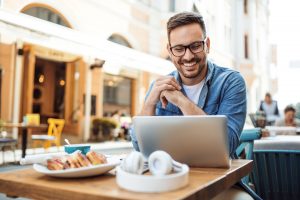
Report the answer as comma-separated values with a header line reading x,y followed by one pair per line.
x,y
79,172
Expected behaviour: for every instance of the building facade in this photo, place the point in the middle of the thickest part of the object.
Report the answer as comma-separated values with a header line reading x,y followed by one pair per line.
x,y
54,82
239,31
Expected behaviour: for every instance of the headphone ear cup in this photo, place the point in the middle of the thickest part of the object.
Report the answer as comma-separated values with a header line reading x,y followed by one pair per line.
x,y
160,163
133,163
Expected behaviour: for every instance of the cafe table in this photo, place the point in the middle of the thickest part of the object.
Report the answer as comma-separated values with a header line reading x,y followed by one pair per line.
x,y
204,183
24,132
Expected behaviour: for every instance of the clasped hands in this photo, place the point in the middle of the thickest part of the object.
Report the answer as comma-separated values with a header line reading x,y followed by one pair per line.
x,y
166,89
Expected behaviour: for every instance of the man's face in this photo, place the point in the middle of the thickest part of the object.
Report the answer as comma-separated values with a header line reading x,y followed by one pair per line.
x,y
268,100
290,115
190,65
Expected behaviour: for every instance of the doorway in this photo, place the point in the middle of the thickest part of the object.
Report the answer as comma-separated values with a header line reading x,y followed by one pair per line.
x,y
49,89
52,86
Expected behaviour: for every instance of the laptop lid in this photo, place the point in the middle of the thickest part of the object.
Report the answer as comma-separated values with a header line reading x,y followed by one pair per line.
x,y
199,141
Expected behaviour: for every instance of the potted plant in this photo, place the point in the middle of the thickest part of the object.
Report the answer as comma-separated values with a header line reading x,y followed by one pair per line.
x,y
102,128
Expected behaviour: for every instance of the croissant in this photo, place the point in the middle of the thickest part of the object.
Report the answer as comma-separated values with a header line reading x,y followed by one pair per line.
x,y
96,158
76,160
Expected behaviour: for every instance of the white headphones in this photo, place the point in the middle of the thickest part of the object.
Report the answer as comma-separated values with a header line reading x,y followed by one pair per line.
x,y
161,166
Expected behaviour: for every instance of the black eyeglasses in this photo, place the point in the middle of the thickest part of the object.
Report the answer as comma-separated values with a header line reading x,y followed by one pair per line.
x,y
195,47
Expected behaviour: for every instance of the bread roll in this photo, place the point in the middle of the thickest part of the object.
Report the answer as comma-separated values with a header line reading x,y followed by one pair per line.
x,y
96,158
55,164
73,163
82,160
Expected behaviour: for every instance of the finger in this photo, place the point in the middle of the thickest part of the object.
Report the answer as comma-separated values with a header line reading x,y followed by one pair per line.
x,y
166,87
168,79
169,82
175,82
163,100
164,78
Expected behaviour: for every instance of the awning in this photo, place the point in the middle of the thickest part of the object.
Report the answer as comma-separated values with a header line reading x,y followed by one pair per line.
x,y
39,32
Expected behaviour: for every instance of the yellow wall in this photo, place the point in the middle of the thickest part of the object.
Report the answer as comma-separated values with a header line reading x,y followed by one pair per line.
x,y
7,62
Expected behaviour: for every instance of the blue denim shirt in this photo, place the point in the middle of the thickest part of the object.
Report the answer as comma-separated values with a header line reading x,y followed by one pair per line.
x,y
223,93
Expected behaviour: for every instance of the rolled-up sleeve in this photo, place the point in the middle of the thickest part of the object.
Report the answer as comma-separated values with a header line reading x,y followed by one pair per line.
x,y
234,106
132,131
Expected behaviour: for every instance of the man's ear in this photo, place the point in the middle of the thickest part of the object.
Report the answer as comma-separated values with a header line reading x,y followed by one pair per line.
x,y
170,53
207,45
168,48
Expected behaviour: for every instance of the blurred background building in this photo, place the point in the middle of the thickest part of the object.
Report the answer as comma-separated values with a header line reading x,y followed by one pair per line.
x,y
49,69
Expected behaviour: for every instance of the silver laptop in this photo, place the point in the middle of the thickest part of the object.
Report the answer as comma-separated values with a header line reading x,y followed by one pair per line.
x,y
199,141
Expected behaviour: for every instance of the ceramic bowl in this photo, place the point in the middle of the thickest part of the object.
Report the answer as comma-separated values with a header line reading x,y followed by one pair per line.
x,y
84,148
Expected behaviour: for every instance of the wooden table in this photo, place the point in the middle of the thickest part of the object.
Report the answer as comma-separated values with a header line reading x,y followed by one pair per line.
x,y
24,132
203,184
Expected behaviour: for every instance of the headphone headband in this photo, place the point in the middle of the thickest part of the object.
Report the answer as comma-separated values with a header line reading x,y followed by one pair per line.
x,y
160,164
141,183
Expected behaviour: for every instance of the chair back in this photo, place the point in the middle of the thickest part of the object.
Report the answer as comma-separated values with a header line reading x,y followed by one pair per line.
x,y
247,142
55,128
276,174
246,145
252,118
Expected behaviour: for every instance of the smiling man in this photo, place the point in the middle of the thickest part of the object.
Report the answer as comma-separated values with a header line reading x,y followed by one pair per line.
x,y
198,86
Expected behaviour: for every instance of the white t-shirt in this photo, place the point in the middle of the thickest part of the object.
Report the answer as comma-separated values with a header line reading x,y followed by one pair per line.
x,y
270,110
193,91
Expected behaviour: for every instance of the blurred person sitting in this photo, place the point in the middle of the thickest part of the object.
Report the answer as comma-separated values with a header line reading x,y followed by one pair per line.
x,y
260,119
116,115
124,121
289,118
270,108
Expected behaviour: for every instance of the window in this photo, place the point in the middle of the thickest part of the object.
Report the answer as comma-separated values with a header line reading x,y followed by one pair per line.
x,y
117,90
119,40
195,9
172,6
245,7
45,14
117,94
246,47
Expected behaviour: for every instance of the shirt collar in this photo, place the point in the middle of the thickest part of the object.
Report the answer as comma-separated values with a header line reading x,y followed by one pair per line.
x,y
210,72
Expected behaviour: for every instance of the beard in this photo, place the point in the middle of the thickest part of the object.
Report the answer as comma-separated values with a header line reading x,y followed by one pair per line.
x,y
193,71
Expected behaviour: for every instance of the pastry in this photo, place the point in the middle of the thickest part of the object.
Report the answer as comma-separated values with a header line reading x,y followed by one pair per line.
x,y
73,163
55,164
82,160
96,158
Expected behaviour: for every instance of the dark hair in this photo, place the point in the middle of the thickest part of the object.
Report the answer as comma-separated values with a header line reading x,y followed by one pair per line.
x,y
185,18
289,108
268,94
